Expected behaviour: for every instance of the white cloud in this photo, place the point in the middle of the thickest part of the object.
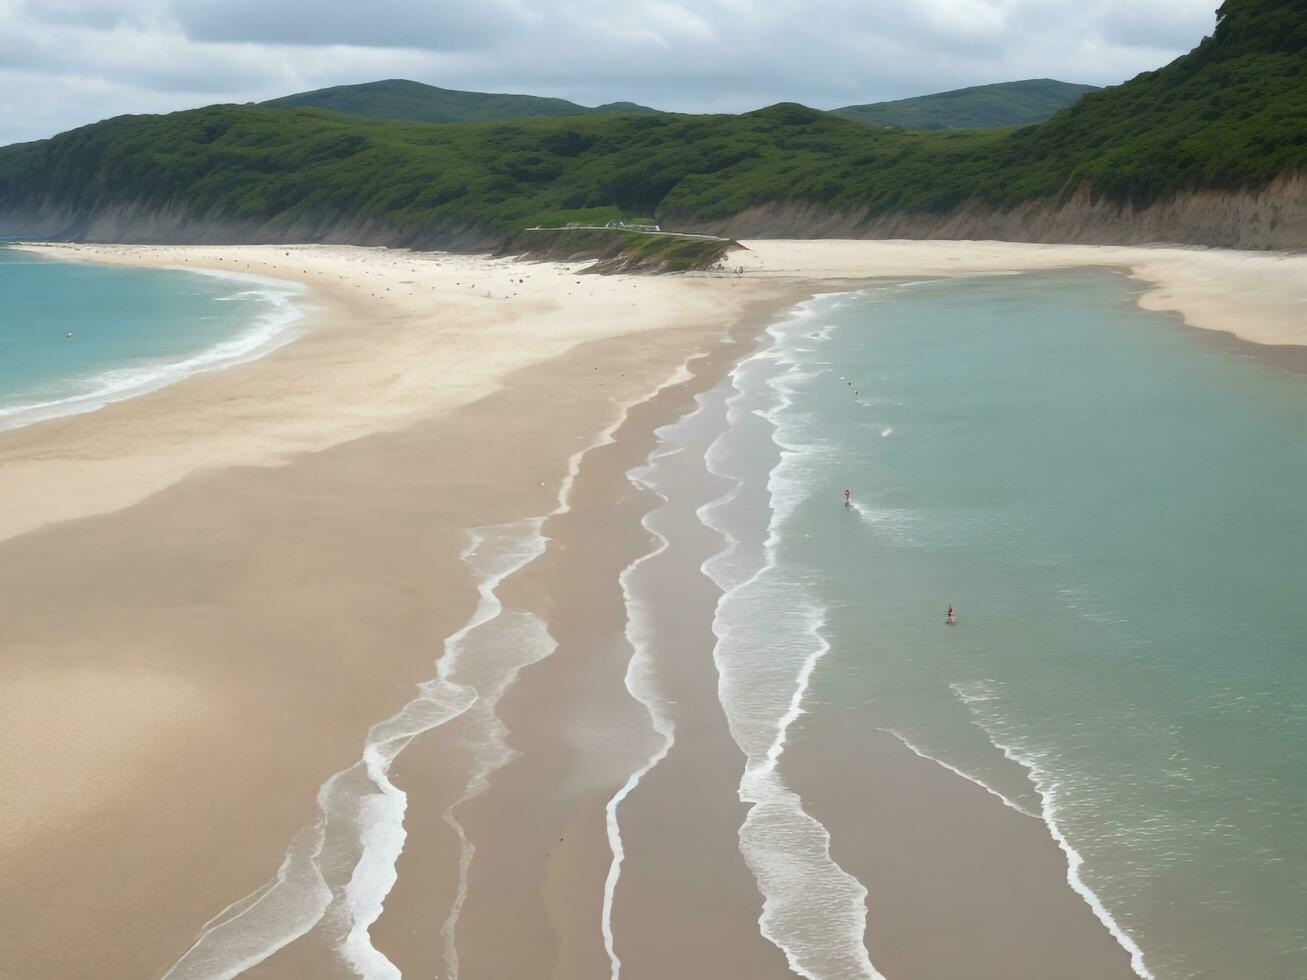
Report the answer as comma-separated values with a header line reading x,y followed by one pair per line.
x,y
68,62
445,25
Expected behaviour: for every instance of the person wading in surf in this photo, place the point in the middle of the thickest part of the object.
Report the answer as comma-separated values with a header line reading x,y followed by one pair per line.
x,y
847,494
949,619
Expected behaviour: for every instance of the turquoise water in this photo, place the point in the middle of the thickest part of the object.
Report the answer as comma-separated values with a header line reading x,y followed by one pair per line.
x,y
133,330
1115,505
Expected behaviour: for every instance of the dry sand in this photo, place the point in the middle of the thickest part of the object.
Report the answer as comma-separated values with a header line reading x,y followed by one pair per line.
x,y
211,591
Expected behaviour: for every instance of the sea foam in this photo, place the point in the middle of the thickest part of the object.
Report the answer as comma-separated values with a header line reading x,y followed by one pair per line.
x,y
769,641
983,700
642,685
339,870
278,322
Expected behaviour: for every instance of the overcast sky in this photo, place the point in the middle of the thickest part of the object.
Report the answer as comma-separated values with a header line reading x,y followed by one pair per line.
x,y
64,63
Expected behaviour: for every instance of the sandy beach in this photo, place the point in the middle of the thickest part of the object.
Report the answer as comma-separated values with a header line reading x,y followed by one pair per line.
x,y
211,592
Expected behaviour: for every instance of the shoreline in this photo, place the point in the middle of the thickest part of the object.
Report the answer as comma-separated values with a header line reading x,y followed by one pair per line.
x,y
280,543
829,793
399,337
1256,297
249,342
200,556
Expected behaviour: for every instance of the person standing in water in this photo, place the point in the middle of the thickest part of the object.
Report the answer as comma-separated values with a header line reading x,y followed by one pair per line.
x,y
847,494
949,619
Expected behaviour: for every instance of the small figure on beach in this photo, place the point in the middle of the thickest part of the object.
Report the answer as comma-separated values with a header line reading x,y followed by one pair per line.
x,y
950,619
847,495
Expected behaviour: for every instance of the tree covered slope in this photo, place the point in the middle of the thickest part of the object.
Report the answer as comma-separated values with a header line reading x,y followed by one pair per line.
x,y
1232,113
1229,116
978,107
400,99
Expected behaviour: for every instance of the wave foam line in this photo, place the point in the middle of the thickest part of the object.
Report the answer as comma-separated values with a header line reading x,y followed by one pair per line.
x,y
639,678
496,733
639,683
1047,786
524,640
813,910
370,808
919,751
382,824
360,821
269,330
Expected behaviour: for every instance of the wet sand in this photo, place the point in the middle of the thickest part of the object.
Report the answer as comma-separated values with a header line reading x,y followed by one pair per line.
x,y
686,904
226,645
577,731
959,883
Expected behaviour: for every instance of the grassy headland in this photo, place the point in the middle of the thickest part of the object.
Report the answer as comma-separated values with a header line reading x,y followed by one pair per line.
x,y
620,250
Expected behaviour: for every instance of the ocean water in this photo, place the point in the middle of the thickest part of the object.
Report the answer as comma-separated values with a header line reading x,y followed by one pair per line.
x,y
1114,504
132,330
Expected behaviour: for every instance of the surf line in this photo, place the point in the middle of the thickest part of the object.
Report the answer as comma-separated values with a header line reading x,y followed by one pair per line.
x,y
277,324
639,677
359,826
917,750
496,732
779,840
1046,785
639,684
529,639
367,825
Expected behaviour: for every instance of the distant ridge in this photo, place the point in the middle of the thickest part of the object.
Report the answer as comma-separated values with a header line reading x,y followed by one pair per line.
x,y
979,107
402,100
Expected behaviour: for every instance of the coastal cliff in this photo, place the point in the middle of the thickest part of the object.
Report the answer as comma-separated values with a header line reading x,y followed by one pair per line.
x,y
1273,217
147,223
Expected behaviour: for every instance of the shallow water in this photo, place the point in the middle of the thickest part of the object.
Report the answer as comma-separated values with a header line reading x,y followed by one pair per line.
x,y
75,336
1113,503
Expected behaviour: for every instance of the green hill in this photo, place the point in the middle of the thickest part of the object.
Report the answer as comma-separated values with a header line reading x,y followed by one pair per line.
x,y
1229,116
982,106
400,99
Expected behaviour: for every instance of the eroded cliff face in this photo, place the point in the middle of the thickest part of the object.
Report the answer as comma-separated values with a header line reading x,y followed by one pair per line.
x,y
135,224
1274,217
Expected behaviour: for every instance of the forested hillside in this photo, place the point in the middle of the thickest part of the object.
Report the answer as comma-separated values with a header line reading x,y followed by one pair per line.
x,y
1229,117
